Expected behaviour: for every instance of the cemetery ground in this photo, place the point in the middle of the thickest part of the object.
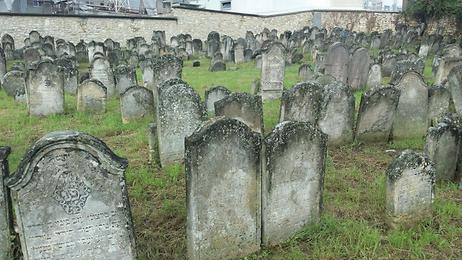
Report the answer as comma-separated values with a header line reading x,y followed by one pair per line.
x,y
353,219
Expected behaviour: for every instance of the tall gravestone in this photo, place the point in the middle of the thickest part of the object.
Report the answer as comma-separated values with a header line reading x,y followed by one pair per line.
x,y
336,62
2,65
223,199
71,200
411,118
302,103
91,96
454,85
213,95
272,71
125,77
438,102
179,113
102,71
410,188
375,76
5,207
164,68
358,68
45,89
292,180
136,102
244,107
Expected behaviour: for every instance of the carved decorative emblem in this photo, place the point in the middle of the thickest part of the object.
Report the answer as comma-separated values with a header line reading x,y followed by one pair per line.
x,y
71,193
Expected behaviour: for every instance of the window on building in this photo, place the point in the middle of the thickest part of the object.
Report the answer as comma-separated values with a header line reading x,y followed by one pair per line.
x,y
36,3
226,5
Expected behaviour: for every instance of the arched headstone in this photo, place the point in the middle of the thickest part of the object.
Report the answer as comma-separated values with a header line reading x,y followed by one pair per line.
x,y
136,102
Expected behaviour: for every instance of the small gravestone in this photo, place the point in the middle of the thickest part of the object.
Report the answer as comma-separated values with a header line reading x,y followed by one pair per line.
x,y
442,147
223,200
336,62
302,103
292,180
244,107
305,73
136,102
217,63
272,71
14,82
5,207
101,70
31,55
358,69
179,113
124,78
438,102
45,90
375,76
410,188
376,114
454,85
2,65
337,113
213,95
239,53
411,118
196,64
248,55
91,96
71,199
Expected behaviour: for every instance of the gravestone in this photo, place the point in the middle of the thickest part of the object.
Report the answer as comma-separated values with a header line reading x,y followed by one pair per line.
x,y
442,148
164,68
179,113
8,45
136,102
213,95
454,85
6,223
272,71
305,73
438,102
45,89
411,118
31,55
404,66
2,65
445,66
239,52
410,188
375,76
358,69
124,78
223,201
258,61
14,82
91,96
71,199
102,71
243,107
337,113
376,114
336,62
292,180
217,63
302,103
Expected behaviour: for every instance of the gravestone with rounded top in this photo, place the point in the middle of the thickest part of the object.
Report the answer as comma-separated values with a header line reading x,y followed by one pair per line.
x,y
136,102
213,95
102,71
272,71
91,96
336,62
244,107
358,68
302,103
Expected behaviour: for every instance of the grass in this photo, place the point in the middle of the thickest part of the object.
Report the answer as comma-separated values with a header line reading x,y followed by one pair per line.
x,y
352,224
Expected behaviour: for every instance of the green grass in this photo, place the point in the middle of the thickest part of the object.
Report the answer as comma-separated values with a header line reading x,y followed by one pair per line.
x,y
353,221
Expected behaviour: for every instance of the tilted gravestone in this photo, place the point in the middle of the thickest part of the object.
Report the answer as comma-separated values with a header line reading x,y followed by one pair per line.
x,y
91,96
124,78
438,102
272,71
136,102
375,76
292,180
14,82
45,89
223,199
244,107
71,200
411,118
302,103
454,85
102,71
442,147
337,113
213,95
358,68
179,113
6,226
336,62
410,188
376,114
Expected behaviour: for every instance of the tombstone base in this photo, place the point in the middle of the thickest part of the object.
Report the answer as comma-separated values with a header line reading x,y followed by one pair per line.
x,y
409,220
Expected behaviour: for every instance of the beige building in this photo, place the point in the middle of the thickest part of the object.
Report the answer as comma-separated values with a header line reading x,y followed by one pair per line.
x,y
346,4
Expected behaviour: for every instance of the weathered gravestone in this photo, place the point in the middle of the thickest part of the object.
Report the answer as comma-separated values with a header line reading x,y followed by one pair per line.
x,y
124,78
223,199
438,102
337,113
404,66
445,66
292,180
71,201
305,73
179,113
336,62
272,71
358,68
102,71
91,96
164,68
5,207
239,52
8,45
31,55
2,65
454,85
217,63
410,188
14,82
442,147
70,73
136,102
213,95
244,107
45,89
375,76
411,118
302,103
376,114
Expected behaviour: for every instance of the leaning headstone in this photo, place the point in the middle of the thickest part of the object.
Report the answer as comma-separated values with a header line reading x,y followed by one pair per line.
x,y
454,85
336,62
292,180
14,82
5,207
124,78
410,188
223,201
45,89
136,102
213,95
244,107
358,69
305,73
375,76
102,71
179,113
71,199
411,118
376,114
91,96
302,103
272,71
442,147
438,102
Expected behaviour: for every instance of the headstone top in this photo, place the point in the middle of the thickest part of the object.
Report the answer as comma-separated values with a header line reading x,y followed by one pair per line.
x,y
409,159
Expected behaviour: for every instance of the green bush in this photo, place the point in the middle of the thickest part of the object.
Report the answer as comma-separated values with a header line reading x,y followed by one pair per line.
x,y
423,10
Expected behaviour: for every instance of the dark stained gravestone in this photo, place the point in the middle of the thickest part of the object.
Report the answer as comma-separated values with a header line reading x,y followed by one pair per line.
x,y
302,103
358,69
6,227
336,62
